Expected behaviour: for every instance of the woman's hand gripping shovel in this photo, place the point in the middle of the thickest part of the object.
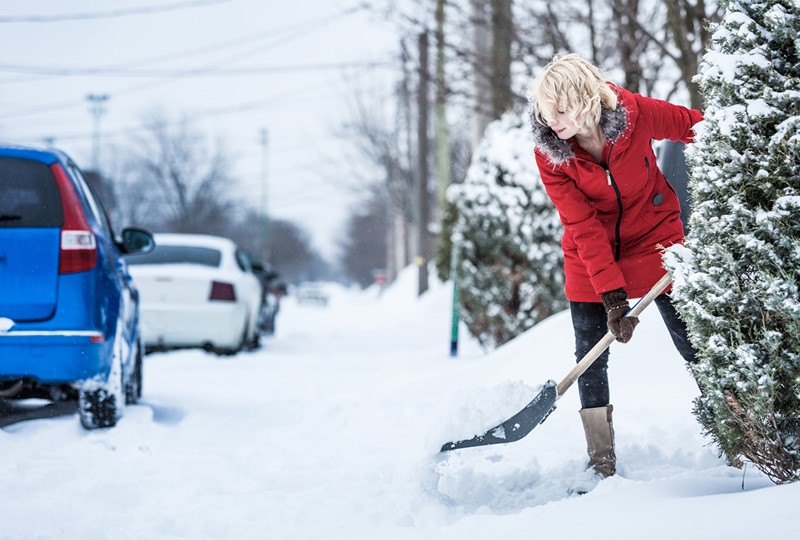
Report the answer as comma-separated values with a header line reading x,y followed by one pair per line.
x,y
544,403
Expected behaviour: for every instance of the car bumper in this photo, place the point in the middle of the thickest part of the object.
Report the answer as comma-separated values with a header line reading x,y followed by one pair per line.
x,y
52,357
218,325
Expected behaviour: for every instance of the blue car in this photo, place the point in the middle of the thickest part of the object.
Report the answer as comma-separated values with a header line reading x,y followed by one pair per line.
x,y
69,311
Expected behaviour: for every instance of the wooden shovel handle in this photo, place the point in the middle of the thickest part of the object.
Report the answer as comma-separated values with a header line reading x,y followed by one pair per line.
x,y
604,343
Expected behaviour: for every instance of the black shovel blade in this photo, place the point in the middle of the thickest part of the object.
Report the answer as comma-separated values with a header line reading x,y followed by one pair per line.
x,y
518,425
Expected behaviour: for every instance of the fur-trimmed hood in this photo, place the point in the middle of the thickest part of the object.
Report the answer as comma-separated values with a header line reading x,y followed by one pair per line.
x,y
558,151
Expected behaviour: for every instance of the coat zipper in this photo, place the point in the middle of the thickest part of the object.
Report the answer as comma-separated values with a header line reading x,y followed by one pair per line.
x,y
613,184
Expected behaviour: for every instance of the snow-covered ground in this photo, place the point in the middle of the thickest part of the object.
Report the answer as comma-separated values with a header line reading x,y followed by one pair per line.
x,y
332,430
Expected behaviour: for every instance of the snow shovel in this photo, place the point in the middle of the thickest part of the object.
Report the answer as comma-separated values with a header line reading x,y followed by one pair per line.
x,y
540,407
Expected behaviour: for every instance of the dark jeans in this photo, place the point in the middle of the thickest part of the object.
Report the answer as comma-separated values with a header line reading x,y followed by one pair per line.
x,y
589,323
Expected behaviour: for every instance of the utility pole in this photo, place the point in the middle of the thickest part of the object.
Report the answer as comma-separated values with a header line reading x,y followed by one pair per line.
x,y
407,219
442,134
502,32
482,84
98,109
443,166
422,150
264,240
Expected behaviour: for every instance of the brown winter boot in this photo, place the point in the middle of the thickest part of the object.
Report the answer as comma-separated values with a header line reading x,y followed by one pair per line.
x,y
600,440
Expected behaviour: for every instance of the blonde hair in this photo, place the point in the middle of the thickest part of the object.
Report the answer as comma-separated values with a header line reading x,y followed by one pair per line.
x,y
573,85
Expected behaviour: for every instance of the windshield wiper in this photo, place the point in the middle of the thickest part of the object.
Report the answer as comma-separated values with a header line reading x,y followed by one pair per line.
x,y
10,217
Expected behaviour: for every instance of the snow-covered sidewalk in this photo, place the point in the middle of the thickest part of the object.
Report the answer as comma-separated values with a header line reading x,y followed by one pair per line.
x,y
332,429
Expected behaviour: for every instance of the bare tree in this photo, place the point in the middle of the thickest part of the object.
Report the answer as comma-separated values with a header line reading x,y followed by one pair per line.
x,y
631,44
688,24
379,131
185,176
363,249
290,250
379,142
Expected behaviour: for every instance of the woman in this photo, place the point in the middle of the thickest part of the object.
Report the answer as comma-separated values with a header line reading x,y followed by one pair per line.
x,y
595,156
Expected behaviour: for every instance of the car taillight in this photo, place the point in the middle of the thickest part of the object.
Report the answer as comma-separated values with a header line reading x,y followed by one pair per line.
x,y
78,245
222,291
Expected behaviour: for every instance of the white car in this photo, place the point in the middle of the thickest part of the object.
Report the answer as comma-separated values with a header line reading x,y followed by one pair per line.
x,y
197,291
311,293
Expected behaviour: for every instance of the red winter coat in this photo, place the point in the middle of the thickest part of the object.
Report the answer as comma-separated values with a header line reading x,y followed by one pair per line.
x,y
617,216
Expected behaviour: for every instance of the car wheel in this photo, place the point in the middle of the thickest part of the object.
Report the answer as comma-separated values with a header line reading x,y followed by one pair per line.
x,y
100,404
98,408
253,341
133,387
243,342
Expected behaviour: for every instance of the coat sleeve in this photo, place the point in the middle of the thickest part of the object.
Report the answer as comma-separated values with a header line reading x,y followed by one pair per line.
x,y
668,121
582,226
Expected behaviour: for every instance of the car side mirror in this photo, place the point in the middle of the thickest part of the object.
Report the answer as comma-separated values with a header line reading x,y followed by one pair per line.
x,y
135,240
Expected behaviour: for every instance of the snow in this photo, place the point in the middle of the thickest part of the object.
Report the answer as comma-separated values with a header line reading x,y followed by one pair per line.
x,y
331,431
5,324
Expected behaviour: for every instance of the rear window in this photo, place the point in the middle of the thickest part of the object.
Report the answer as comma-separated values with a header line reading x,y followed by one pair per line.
x,y
28,195
178,255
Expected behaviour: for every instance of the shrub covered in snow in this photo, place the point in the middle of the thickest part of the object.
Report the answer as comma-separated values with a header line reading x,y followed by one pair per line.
x,y
506,235
738,287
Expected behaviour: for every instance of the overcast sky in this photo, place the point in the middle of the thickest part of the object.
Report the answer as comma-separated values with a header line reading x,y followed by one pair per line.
x,y
237,66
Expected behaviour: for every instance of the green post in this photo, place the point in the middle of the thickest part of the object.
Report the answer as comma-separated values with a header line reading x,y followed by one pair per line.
x,y
454,325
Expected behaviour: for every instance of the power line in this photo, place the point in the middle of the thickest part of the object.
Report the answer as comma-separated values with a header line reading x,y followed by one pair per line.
x,y
40,109
190,72
109,14
295,31
276,37
204,113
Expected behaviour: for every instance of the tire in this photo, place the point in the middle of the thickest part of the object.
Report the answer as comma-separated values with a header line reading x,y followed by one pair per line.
x,y
98,408
101,403
133,386
253,341
247,338
243,342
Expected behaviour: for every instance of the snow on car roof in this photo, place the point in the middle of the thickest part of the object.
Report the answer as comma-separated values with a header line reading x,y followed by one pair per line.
x,y
205,240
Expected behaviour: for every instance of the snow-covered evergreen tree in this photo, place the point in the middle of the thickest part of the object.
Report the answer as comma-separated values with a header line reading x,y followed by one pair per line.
x,y
738,282
506,235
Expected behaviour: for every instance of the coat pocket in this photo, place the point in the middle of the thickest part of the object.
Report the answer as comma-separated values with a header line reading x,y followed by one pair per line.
x,y
661,205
